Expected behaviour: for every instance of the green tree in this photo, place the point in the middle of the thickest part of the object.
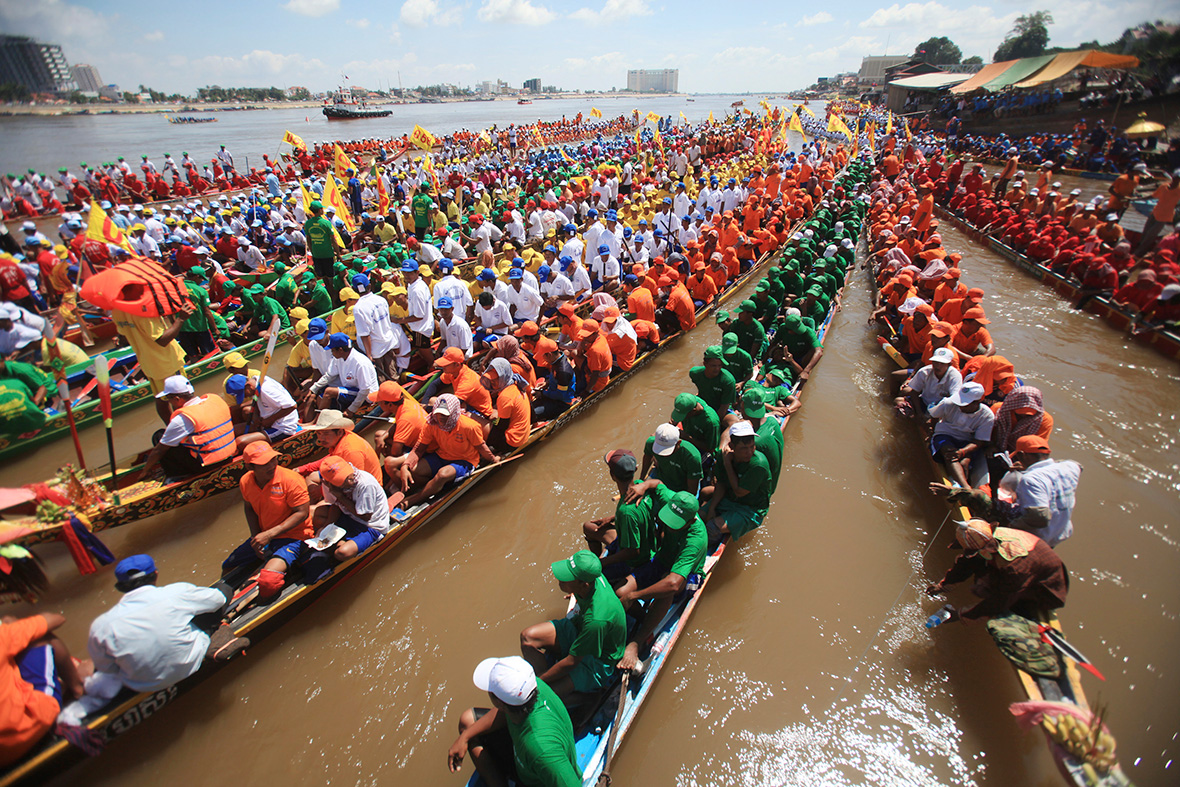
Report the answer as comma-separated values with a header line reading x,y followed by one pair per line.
x,y
14,91
937,51
974,60
1028,37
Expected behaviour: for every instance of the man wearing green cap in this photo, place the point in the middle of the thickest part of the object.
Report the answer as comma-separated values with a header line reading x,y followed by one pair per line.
x,y
586,646
798,346
698,423
315,298
750,333
322,241
675,567
775,388
724,320
741,496
736,360
285,288
194,334
263,309
715,385
768,432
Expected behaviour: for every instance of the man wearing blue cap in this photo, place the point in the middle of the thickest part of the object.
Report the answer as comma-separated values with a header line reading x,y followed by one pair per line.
x,y
349,380
154,637
419,319
385,344
604,269
454,330
664,221
451,286
275,415
524,302
573,247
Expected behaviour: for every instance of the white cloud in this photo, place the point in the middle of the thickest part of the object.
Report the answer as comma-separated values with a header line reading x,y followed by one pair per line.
x,y
157,35
612,12
516,12
599,62
260,62
816,19
312,7
420,13
359,24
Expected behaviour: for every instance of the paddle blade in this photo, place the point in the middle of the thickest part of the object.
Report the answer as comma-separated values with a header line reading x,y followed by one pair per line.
x,y
102,376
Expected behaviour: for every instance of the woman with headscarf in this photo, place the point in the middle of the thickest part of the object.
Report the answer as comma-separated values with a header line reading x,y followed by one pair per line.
x,y
508,347
449,449
514,410
1014,571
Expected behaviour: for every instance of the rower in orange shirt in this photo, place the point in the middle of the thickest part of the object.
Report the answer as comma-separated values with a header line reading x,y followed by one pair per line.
x,y
717,271
623,343
594,358
701,286
679,303
464,381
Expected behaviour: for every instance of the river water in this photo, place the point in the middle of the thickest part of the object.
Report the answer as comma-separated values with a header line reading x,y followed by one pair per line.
x,y
799,666
46,143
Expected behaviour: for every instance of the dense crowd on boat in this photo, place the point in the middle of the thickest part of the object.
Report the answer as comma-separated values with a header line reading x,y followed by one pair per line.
x,y
485,300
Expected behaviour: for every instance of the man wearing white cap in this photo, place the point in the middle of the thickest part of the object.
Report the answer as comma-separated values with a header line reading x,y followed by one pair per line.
x,y
539,729
200,431
963,430
931,384
677,462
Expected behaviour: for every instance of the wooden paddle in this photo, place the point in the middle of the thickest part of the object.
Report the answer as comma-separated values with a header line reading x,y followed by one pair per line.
x,y
604,778
103,379
275,324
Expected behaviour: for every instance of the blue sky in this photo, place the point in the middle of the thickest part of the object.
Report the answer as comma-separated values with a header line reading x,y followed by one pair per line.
x,y
756,45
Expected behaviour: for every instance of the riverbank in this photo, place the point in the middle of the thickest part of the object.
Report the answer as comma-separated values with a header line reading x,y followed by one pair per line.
x,y
67,109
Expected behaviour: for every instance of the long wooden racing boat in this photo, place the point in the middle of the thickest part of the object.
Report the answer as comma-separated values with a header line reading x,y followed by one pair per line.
x,y
592,738
1120,318
255,621
1071,171
1067,689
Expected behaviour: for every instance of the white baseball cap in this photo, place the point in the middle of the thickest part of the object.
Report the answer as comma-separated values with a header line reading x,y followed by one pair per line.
x,y
942,355
176,385
970,392
666,439
511,680
910,305
742,429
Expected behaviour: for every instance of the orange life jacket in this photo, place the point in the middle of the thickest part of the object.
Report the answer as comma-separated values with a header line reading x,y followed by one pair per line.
x,y
213,435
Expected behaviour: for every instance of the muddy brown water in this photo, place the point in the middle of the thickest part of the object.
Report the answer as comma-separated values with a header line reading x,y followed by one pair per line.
x,y
768,686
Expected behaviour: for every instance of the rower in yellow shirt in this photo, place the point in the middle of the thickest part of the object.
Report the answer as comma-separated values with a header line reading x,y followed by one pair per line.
x,y
342,320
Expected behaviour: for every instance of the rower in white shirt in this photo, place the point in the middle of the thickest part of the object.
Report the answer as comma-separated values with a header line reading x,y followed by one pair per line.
x,y
451,286
453,329
523,300
573,247
578,275
604,269
681,203
555,287
686,233
529,278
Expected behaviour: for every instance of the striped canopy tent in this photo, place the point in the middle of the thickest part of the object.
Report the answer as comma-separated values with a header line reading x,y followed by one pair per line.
x,y
983,76
1083,58
1020,70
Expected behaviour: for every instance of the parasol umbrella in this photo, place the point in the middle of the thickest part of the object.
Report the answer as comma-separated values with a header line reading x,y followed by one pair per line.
x,y
1144,127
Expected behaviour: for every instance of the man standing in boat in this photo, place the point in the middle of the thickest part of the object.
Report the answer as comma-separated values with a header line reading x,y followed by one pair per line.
x,y
322,242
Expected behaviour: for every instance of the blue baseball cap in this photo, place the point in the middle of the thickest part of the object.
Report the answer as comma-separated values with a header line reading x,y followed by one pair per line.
x,y
409,266
643,222
638,238
570,228
543,272
516,273
235,384
604,249
551,248
612,215
668,200
360,280
517,262
338,341
134,567
446,264
487,274
659,233
445,303
592,213
316,329
631,278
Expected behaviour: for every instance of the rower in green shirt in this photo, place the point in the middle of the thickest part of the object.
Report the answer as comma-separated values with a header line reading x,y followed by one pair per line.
x,y
315,296
677,462
538,725
285,289
37,384
630,534
322,241
420,208
736,360
263,309
750,333
698,423
798,346
741,496
586,647
768,433
715,385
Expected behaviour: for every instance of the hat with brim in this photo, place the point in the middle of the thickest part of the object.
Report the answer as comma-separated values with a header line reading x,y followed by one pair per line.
x,y
582,566
330,419
678,512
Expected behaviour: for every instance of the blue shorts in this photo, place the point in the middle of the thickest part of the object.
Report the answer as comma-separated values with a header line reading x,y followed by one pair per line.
x,y
275,434
436,463
357,532
345,397
244,555
38,670
619,570
649,573
945,442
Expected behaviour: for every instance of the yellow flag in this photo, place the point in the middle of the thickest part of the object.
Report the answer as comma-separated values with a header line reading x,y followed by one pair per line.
x,y
423,138
103,230
342,163
333,197
805,109
428,165
595,113
653,117
889,122
711,121
308,198
872,130
905,124
659,139
839,126
796,125
382,197
294,141
537,135
765,105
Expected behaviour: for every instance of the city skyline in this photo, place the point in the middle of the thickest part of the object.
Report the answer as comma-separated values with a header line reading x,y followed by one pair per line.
x,y
317,42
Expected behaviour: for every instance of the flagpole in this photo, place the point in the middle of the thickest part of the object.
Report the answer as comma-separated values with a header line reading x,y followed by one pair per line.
x,y
103,376
63,387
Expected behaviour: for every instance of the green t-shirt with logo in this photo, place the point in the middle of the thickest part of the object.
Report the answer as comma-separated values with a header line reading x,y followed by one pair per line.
x,y
680,470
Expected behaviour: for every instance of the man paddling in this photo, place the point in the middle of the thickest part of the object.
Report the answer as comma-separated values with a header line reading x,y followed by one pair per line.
x,y
538,749
449,449
629,535
199,434
583,648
